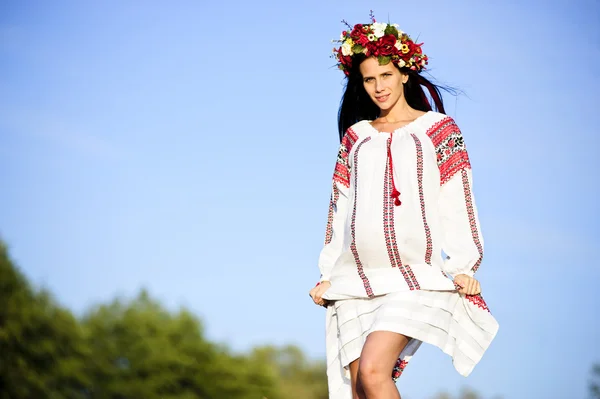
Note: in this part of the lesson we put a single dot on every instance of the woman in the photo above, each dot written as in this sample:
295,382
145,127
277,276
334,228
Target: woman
403,239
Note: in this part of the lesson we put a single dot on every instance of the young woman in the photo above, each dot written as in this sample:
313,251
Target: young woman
403,239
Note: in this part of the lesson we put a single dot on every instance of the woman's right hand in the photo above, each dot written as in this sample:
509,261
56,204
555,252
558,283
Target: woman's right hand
317,293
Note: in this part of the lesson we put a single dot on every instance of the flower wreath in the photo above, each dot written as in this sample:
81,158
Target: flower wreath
384,41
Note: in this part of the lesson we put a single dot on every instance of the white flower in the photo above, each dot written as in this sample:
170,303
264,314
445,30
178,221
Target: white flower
378,29
371,37
401,63
346,49
398,45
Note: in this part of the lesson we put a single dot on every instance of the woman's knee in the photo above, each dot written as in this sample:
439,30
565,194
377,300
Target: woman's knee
371,372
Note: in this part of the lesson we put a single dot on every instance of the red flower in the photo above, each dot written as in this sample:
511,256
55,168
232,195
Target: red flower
451,143
372,49
346,60
388,40
356,32
386,45
362,40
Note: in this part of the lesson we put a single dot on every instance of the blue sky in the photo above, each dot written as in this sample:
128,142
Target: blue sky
188,149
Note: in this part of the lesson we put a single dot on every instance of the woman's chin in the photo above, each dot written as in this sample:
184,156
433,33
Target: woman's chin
384,105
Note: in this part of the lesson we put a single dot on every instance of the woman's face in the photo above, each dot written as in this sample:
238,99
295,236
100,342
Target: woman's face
383,83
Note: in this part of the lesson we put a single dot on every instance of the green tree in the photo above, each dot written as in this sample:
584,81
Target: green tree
42,347
465,393
139,350
595,382
298,378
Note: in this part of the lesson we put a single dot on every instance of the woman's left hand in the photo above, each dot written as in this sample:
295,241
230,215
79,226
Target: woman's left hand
469,286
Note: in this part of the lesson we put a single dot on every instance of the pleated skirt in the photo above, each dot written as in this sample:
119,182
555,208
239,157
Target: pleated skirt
461,326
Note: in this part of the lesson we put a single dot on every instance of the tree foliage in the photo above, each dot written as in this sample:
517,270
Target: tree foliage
595,382
130,350
42,346
142,351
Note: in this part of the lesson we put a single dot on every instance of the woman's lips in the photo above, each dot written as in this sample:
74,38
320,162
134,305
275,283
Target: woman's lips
382,98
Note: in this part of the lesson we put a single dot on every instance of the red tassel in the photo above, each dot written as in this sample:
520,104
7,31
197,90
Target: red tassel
395,192
395,195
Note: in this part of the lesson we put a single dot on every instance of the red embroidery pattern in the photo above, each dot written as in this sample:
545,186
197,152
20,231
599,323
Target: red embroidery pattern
359,266
335,195
478,301
389,230
398,369
429,247
450,148
472,219
341,173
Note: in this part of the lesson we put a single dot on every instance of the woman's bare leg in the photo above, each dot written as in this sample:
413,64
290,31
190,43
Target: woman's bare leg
357,391
377,360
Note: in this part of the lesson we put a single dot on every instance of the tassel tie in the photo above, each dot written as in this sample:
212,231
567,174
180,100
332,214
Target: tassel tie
395,193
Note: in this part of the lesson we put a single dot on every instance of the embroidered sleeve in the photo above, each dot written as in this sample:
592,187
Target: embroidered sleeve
462,239
450,148
336,215
342,166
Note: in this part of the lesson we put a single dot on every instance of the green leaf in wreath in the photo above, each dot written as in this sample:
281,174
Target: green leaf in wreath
357,48
391,30
384,59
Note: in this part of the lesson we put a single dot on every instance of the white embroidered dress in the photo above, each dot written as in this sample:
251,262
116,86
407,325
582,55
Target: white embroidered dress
402,221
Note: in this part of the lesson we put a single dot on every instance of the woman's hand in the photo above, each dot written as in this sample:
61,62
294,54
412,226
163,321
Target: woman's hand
317,293
468,285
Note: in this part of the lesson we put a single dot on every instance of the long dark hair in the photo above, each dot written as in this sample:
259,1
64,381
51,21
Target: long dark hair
356,105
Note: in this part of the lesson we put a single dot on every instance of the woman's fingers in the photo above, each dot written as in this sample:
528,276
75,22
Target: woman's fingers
316,293
318,297
468,285
472,286
313,295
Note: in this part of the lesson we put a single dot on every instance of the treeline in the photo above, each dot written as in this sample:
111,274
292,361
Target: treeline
132,350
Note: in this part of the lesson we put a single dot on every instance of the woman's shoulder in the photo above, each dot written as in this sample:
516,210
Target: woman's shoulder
359,129
436,123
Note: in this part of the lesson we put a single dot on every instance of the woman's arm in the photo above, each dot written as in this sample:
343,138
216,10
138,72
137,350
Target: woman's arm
462,239
338,206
